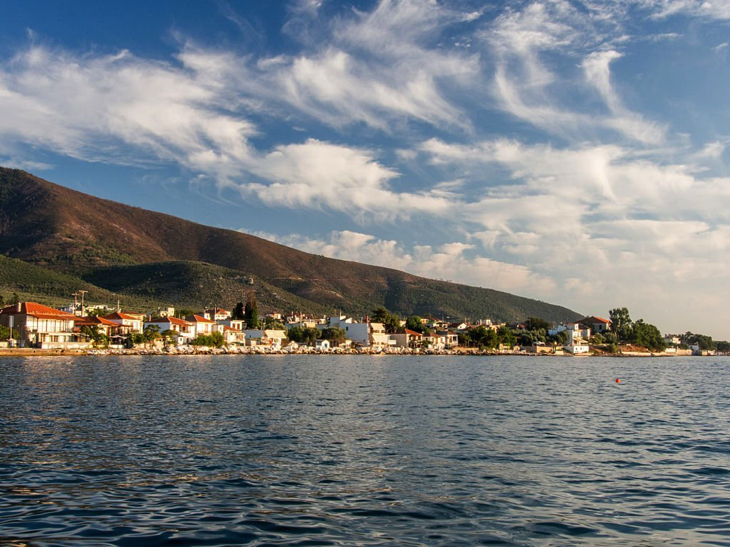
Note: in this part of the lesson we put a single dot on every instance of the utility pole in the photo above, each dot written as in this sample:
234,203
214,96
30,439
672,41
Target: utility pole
76,302
82,293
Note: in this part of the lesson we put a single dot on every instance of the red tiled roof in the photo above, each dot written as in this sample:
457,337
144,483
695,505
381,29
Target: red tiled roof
198,319
599,320
37,310
413,333
231,329
171,320
120,315
92,320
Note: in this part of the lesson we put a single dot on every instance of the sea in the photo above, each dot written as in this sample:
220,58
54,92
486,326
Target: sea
364,450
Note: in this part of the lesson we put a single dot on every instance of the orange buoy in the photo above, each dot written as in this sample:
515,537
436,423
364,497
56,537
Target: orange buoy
618,380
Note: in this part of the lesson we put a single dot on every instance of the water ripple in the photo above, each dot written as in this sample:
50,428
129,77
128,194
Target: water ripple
359,451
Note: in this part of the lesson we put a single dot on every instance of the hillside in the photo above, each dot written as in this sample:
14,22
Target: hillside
67,231
56,289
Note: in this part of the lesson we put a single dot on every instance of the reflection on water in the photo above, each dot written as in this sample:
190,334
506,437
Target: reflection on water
350,450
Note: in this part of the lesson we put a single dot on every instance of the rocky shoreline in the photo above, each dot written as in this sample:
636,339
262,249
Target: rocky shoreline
259,350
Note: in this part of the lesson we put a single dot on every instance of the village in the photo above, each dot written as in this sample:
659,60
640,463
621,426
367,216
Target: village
98,329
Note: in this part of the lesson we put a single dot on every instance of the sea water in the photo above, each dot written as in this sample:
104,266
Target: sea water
361,450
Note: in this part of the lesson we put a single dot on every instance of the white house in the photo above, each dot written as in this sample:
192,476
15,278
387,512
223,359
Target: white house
40,326
233,337
575,331
216,314
201,325
185,331
577,348
273,338
322,344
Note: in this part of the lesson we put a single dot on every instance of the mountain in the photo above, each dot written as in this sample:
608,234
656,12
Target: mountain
129,250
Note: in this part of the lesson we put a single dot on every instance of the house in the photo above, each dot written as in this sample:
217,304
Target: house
129,322
323,345
233,336
40,326
104,326
435,340
216,314
452,339
459,326
236,324
358,333
272,338
576,331
407,339
184,330
378,337
201,325
598,325
577,348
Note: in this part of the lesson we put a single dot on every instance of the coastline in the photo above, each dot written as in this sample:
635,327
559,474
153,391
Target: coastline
182,352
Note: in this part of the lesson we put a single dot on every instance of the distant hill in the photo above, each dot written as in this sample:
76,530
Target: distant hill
107,243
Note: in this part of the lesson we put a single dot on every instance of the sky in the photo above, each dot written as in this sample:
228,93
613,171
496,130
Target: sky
570,151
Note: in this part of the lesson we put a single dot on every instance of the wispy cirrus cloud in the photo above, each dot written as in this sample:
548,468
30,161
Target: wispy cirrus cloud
527,85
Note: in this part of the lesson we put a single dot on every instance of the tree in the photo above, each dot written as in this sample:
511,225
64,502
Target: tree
168,335
414,323
15,298
95,335
2,301
483,337
271,323
212,340
303,335
182,313
334,335
647,336
621,324
390,321
702,341
251,312
151,333
536,323
4,333
560,338
506,337
238,312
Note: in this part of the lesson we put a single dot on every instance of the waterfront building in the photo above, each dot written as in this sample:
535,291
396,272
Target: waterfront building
40,326
129,322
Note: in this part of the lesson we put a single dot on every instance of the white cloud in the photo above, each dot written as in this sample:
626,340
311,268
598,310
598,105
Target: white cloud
709,9
450,262
527,87
317,174
87,107
621,219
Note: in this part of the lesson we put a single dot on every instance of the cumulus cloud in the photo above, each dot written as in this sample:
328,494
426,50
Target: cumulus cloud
317,174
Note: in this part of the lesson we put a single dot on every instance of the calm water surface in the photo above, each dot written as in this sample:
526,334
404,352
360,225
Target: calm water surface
309,450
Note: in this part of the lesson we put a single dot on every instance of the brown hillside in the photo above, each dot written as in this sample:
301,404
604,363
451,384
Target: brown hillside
66,230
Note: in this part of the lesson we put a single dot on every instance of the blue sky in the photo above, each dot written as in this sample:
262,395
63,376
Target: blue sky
571,151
